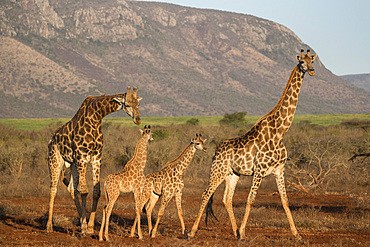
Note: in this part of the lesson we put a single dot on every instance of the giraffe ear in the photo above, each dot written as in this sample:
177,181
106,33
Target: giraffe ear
298,58
313,57
204,140
141,131
139,98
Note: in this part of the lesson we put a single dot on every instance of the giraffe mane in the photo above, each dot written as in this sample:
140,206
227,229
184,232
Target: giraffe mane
175,160
282,97
135,154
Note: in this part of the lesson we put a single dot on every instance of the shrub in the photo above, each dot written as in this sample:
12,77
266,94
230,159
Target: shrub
236,119
193,121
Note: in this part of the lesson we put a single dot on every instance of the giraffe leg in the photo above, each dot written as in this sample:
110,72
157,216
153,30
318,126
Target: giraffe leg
108,211
72,189
96,195
81,186
179,212
257,178
164,202
214,181
152,201
137,218
55,167
231,181
102,224
279,176
145,196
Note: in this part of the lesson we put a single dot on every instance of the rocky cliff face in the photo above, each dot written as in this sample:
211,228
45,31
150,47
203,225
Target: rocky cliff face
185,61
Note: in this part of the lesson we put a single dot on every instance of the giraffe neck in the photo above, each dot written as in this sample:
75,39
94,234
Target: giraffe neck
182,162
104,105
281,117
95,108
139,159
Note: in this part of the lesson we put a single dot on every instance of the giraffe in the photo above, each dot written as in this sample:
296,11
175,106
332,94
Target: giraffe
131,178
79,142
257,153
166,183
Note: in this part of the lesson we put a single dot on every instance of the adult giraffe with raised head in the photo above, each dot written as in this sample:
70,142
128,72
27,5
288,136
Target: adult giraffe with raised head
79,142
258,153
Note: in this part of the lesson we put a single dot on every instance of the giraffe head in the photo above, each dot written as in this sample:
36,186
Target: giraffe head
305,62
147,132
130,104
199,143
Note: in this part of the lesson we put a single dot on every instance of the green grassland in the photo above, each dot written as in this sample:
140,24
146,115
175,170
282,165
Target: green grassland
41,123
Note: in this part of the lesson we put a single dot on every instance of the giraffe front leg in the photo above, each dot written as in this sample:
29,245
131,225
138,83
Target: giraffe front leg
179,212
231,181
279,176
96,195
81,186
257,178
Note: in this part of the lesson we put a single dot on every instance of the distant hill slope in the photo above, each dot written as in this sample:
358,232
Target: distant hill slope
360,80
184,61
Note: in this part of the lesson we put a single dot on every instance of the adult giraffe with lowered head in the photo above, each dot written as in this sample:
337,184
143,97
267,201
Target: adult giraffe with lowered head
79,142
258,153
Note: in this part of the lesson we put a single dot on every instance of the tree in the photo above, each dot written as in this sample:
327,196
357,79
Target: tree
236,119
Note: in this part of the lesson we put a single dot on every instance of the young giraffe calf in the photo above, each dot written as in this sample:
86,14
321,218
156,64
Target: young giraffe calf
131,178
166,183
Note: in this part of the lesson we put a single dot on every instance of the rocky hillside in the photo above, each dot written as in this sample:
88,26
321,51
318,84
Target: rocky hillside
184,61
359,80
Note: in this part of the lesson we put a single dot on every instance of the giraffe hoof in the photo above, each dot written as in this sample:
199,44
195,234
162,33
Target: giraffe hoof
90,232
299,239
237,234
186,235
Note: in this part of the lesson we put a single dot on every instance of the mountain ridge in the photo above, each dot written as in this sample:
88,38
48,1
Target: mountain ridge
184,61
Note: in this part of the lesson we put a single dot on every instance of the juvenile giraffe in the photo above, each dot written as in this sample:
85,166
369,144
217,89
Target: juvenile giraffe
258,153
166,183
79,142
131,178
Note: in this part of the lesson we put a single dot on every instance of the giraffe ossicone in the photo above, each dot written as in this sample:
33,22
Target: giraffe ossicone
80,142
257,153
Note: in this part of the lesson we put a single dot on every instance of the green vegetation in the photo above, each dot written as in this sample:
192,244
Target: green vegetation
237,119
319,155
322,120
193,121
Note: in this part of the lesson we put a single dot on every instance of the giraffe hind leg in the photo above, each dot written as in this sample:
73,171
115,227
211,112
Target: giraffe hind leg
209,210
231,182
214,181
279,176
55,163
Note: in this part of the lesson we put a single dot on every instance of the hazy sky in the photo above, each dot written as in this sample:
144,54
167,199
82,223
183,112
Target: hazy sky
337,30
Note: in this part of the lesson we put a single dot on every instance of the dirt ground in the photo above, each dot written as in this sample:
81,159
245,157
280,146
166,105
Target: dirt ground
23,220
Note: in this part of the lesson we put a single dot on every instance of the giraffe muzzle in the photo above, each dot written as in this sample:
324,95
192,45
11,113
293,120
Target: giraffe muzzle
311,72
137,120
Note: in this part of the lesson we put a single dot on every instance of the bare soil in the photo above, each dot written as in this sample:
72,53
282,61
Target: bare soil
23,220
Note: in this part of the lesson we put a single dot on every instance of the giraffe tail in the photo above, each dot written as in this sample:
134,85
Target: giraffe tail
209,209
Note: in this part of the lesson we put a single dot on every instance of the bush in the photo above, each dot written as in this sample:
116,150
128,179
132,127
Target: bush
193,121
311,149
236,119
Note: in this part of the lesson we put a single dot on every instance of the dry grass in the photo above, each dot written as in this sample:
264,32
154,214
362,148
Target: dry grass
334,144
